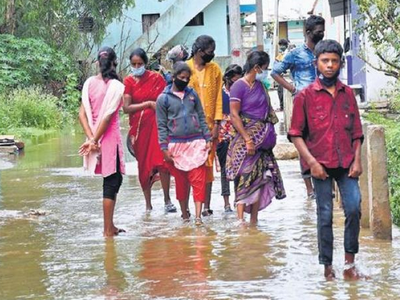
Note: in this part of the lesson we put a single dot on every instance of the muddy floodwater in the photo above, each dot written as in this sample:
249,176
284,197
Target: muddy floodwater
62,255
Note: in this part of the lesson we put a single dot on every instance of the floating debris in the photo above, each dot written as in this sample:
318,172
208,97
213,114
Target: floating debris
36,213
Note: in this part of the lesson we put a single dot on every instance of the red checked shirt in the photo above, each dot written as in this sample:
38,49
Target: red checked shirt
328,124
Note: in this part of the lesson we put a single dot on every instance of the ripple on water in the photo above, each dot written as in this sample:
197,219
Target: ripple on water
64,256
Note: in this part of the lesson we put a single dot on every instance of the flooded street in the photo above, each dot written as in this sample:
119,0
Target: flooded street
63,255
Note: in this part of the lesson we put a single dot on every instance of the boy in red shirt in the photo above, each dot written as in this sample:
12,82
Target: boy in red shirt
326,130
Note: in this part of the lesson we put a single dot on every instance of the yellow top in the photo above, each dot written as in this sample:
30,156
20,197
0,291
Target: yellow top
280,56
208,85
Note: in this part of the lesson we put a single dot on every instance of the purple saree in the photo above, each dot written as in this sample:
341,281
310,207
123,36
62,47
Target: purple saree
257,177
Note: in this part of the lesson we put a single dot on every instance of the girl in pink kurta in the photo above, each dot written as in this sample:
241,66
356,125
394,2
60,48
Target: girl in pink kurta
102,151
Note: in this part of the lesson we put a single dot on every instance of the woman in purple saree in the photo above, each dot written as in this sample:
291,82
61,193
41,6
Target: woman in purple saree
251,163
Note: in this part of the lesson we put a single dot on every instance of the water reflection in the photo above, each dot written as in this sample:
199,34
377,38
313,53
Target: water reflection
115,278
64,256
21,272
245,256
177,266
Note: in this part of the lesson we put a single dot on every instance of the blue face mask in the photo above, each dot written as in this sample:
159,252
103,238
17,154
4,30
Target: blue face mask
138,71
262,76
328,82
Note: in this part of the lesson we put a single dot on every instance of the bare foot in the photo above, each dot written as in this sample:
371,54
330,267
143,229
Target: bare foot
351,273
185,215
118,230
253,222
108,234
329,273
240,223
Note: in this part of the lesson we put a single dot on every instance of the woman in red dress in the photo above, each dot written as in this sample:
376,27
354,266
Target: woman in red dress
142,88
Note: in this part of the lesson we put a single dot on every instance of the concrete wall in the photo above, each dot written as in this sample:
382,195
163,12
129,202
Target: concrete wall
296,32
215,25
124,32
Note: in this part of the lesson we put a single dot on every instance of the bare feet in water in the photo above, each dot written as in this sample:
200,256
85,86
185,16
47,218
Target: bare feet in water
114,232
329,273
351,273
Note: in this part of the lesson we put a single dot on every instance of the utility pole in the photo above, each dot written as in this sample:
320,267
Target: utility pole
235,32
275,39
259,25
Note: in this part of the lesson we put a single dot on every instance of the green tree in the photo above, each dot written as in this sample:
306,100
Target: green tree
69,25
380,19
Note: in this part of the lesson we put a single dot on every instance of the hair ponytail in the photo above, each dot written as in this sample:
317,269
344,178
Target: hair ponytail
107,62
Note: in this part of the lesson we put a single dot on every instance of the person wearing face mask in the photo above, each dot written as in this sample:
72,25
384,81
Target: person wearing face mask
300,62
142,87
263,78
326,130
250,163
177,53
184,138
207,82
283,45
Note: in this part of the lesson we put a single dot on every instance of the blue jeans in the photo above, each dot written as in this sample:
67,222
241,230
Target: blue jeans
351,199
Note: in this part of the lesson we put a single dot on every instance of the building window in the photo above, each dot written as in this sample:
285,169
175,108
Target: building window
148,20
197,20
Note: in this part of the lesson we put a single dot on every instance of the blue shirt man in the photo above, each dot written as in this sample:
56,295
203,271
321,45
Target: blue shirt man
300,62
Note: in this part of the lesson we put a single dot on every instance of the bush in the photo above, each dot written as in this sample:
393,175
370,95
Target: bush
70,100
31,62
30,107
392,136
392,94
26,62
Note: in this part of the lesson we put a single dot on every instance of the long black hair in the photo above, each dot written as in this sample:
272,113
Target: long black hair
258,58
203,42
107,62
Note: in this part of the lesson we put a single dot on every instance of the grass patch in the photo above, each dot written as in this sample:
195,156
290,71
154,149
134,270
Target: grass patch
26,112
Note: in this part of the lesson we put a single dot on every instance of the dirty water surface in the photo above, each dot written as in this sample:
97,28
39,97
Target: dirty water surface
62,254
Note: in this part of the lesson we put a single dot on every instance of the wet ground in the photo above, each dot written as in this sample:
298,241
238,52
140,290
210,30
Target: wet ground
63,255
